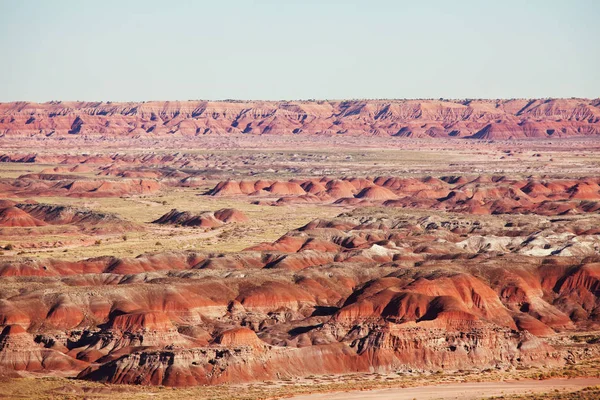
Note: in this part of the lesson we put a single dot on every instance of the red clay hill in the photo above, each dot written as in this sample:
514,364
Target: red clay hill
480,194
478,119
32,214
205,219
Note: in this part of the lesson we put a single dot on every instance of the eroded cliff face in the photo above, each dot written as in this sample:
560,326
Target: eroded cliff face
479,119
386,351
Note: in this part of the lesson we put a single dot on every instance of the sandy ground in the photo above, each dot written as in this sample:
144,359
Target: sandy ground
463,391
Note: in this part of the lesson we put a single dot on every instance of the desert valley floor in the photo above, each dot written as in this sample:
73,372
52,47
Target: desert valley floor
241,266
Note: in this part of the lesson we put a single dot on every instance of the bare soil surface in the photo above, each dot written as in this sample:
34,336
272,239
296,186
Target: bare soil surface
462,391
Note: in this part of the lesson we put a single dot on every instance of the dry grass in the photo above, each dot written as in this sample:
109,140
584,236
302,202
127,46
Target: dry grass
589,393
267,223
65,388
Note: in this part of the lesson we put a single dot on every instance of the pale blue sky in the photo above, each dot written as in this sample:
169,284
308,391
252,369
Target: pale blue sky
179,50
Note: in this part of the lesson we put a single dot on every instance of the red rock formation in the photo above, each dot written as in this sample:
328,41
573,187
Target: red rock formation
15,217
19,352
184,218
205,219
285,188
226,188
230,215
480,196
142,320
376,193
34,185
357,293
239,337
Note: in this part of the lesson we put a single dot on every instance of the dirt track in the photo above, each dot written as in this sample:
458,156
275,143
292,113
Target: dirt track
463,391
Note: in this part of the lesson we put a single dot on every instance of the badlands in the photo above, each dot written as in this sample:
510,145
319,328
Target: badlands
239,250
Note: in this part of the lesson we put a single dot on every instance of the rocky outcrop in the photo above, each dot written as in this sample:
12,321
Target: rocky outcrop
19,352
205,219
28,215
389,349
15,217
35,185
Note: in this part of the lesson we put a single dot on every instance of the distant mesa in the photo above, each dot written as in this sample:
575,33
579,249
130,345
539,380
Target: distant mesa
459,119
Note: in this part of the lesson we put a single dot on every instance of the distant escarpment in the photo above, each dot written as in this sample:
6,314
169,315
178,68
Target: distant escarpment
476,119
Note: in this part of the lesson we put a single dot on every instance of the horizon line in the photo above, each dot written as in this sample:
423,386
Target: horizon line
232,100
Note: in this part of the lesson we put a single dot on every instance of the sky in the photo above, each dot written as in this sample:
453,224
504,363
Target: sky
134,50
